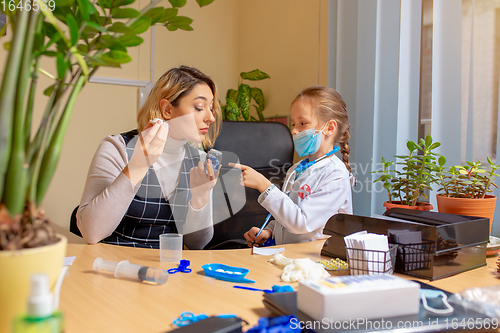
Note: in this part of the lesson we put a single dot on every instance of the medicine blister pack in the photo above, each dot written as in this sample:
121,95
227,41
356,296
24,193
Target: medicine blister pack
215,158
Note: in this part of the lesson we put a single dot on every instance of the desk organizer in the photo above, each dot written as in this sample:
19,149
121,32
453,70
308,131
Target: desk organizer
449,244
411,257
371,261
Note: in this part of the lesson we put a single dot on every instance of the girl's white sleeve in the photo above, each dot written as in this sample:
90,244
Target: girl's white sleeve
312,212
108,191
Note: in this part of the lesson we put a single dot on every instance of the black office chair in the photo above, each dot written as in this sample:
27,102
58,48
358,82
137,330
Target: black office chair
268,148
72,223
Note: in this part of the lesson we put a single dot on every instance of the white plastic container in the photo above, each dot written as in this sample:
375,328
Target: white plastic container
358,296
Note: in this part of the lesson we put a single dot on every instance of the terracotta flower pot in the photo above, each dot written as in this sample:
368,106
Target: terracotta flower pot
468,206
397,204
16,269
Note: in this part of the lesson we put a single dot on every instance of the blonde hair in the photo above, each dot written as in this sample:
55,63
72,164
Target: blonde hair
173,85
327,104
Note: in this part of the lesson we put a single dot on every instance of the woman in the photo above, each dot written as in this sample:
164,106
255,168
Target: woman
150,181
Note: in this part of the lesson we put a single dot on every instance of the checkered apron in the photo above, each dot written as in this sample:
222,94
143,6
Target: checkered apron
149,214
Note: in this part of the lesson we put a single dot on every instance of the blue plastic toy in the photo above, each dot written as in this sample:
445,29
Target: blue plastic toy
183,267
227,273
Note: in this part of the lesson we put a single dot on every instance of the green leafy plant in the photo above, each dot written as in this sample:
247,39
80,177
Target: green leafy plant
470,181
79,36
417,173
237,105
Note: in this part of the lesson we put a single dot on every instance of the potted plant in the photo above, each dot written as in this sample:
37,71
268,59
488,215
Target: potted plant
79,36
417,173
237,105
464,189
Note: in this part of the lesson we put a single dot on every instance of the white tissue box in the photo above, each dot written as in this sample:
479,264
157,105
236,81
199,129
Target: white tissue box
358,296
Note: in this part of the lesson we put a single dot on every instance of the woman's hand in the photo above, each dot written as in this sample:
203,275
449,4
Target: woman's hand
147,150
201,183
251,178
251,238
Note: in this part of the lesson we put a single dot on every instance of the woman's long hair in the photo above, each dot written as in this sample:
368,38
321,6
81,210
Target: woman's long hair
173,85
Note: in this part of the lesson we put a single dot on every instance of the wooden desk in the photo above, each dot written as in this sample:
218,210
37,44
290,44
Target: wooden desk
97,302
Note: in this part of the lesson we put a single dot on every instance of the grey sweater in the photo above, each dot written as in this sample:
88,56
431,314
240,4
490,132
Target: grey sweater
108,192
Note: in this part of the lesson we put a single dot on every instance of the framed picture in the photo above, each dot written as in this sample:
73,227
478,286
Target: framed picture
280,119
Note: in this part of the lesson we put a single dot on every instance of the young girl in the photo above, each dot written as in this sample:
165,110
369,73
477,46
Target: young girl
144,183
315,188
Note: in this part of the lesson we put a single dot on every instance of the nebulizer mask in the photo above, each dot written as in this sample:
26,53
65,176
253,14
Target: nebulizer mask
307,142
430,294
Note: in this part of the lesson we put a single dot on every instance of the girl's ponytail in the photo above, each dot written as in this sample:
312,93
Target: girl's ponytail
344,148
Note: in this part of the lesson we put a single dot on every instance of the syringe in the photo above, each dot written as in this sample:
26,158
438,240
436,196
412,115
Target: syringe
126,269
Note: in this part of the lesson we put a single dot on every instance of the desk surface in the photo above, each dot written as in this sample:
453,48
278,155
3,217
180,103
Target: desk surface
97,302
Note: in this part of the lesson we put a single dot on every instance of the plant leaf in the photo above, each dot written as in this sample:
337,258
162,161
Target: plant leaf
61,66
116,57
261,115
232,110
104,3
107,41
232,94
434,145
258,96
125,13
203,3
119,3
121,28
180,22
48,91
73,28
141,25
177,3
96,26
411,145
428,140
255,75
168,14
130,40
243,100
155,14
86,8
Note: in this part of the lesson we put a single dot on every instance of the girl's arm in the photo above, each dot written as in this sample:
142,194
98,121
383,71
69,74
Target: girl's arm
312,212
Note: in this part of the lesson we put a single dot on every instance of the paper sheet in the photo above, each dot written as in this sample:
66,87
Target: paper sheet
267,251
68,261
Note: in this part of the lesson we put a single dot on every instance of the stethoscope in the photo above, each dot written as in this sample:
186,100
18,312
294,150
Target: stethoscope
303,166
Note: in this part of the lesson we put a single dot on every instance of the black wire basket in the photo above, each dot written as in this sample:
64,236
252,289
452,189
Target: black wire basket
363,261
412,257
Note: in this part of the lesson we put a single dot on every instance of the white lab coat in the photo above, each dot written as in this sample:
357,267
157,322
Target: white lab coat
322,191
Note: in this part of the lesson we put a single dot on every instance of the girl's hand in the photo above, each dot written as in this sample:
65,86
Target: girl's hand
261,239
251,178
201,184
147,150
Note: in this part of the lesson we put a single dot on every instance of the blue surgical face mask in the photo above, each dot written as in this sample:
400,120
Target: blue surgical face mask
307,142
426,294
